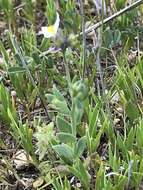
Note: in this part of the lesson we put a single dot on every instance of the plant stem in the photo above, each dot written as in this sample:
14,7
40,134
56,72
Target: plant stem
72,118
67,72
70,91
99,66
84,39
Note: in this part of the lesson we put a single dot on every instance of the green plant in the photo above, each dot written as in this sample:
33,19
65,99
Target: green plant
77,104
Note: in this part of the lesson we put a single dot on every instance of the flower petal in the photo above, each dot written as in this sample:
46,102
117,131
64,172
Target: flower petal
51,31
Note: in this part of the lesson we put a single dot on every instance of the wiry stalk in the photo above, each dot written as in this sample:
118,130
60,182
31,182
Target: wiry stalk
84,38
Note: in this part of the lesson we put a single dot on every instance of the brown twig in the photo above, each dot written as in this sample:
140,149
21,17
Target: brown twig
106,20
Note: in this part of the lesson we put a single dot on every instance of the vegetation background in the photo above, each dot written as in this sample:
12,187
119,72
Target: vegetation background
71,105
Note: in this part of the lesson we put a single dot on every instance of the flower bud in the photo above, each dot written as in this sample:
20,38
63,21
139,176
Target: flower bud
80,90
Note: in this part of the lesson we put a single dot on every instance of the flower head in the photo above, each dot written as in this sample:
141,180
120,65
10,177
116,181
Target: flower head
51,31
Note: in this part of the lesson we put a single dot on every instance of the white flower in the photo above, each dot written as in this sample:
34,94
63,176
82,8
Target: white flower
51,31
